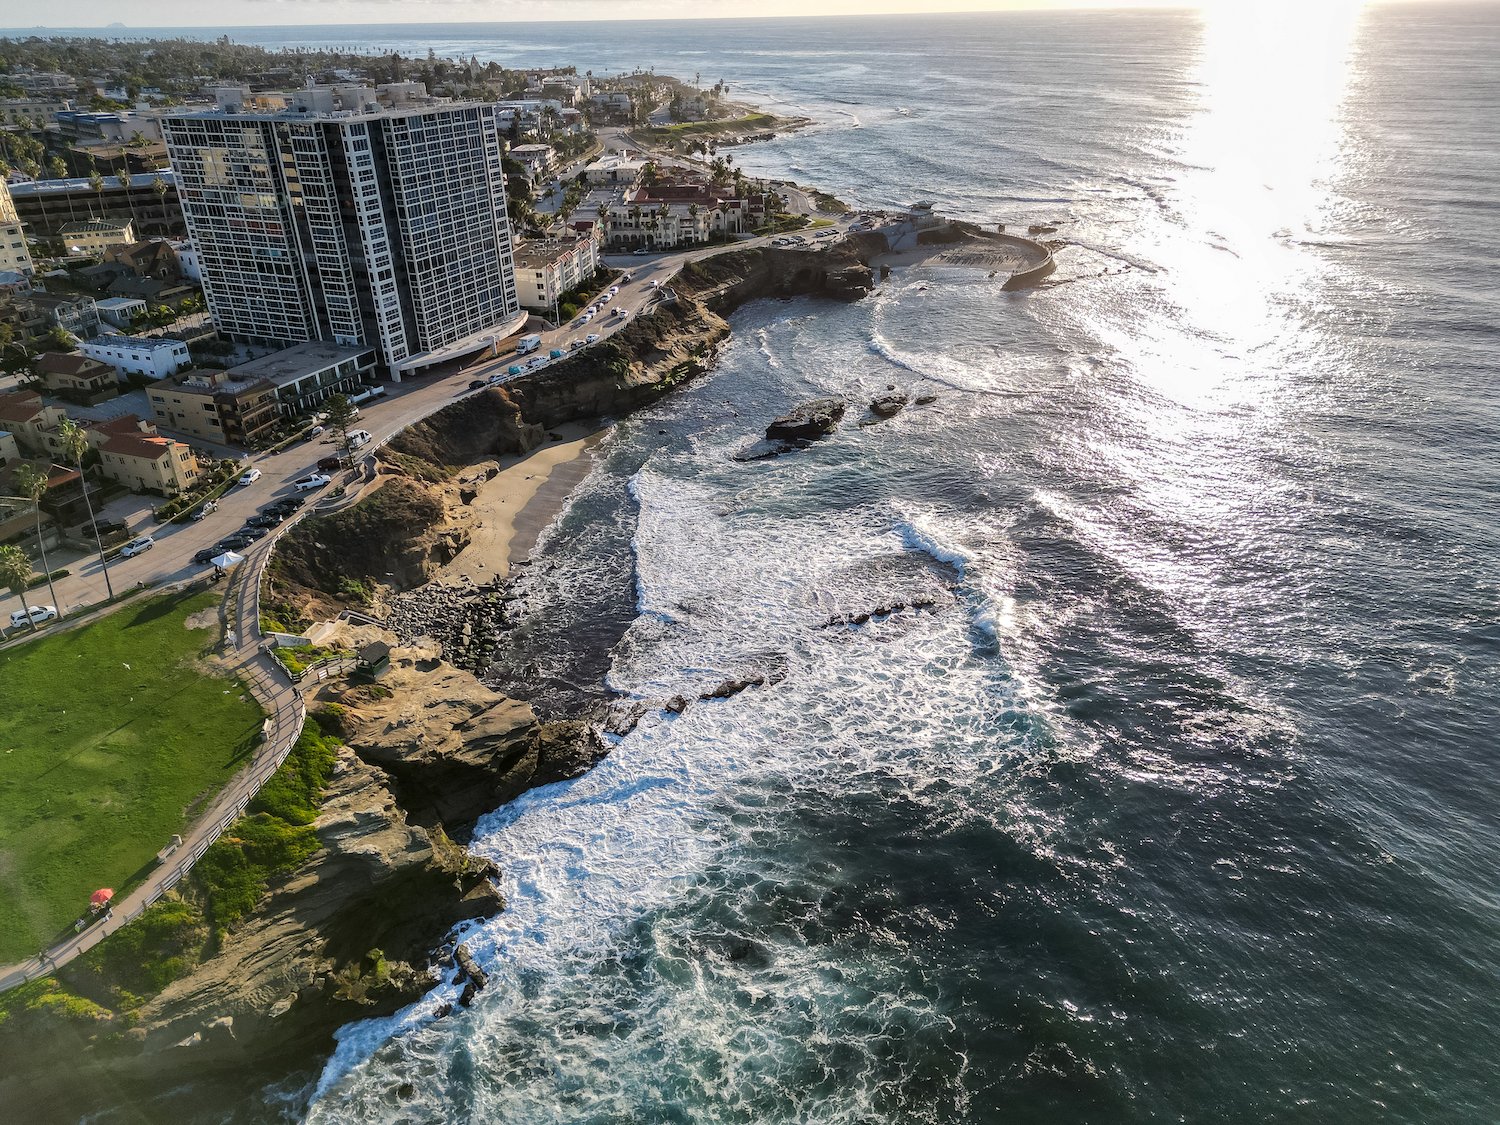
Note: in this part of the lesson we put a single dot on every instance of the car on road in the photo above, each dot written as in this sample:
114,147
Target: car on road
653,284
266,519
514,369
358,438
250,476
250,534
207,555
205,510
332,462
591,338
34,616
614,290
623,277
586,317
137,547
312,481
641,253
478,384
605,298
575,344
493,379
556,353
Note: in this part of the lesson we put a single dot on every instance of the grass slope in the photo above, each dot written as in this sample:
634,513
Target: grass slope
112,737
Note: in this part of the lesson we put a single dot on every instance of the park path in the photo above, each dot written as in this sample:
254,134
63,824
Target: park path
243,658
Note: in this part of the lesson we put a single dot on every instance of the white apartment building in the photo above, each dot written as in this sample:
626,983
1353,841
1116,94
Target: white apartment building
139,355
548,268
15,256
538,160
366,217
187,259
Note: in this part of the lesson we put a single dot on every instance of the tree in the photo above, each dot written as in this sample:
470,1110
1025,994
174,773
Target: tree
339,414
15,573
75,444
57,168
31,482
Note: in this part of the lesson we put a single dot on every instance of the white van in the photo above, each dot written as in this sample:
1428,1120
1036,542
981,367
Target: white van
358,438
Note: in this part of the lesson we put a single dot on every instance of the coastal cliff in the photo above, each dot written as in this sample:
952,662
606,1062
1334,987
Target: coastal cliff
352,931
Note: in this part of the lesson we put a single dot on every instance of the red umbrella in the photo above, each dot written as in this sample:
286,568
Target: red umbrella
101,896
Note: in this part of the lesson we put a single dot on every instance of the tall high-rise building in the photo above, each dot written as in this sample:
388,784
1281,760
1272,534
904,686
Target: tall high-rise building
15,256
367,217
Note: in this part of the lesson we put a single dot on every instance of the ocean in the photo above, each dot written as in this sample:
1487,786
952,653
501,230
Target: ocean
1177,801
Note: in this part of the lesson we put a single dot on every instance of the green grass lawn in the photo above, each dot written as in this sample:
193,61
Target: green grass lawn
112,737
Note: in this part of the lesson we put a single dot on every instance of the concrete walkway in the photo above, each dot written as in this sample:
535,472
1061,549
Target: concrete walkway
244,659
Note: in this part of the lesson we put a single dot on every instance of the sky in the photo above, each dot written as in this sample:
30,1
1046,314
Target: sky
242,13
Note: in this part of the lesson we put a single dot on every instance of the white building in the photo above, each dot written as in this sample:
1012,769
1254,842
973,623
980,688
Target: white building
139,355
15,256
121,312
307,375
538,160
368,217
548,268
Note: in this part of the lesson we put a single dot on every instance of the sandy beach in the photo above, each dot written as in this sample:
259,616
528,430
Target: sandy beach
514,507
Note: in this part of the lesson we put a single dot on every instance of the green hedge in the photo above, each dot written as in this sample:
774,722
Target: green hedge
42,579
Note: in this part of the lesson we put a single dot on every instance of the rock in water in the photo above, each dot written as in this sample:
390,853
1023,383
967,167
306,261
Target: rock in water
888,406
808,422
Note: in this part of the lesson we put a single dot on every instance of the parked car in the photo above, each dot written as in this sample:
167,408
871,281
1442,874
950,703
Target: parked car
205,510
287,504
332,463
35,615
250,476
206,556
575,344
591,338
556,353
476,384
605,298
236,542
315,480
137,547
266,519
314,432
358,438
640,253
493,379
250,534
514,369
614,290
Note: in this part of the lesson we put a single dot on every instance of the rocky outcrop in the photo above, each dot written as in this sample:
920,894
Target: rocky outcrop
454,748
889,405
349,935
808,422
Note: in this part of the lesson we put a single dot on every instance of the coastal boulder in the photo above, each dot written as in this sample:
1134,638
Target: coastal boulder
808,422
889,405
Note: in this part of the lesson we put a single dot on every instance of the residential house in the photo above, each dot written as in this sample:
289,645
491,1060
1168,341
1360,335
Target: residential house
618,106
32,423
216,406
153,356
73,312
615,169
538,160
76,377
134,454
9,450
152,257
121,312
93,236
548,268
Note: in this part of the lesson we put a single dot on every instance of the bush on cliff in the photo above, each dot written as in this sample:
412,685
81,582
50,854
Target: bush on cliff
273,839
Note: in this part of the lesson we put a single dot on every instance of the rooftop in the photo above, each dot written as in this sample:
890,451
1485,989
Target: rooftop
296,361
147,343
542,251
210,383
340,102
63,187
94,226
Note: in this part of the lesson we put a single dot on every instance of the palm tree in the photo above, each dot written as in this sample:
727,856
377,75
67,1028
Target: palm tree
96,181
75,444
31,482
15,573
